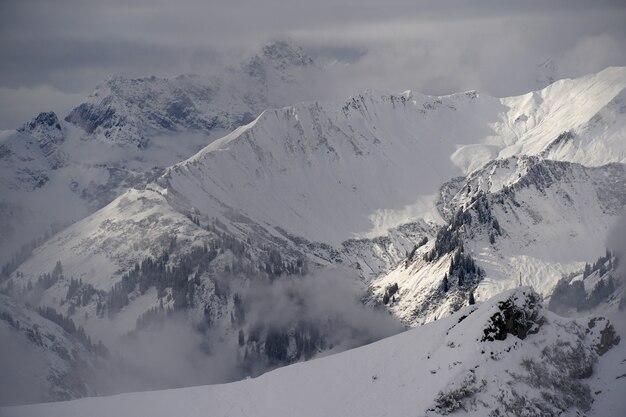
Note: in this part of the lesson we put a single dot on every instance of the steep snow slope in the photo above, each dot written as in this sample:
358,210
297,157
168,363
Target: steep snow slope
508,356
328,172
545,122
134,226
528,217
324,172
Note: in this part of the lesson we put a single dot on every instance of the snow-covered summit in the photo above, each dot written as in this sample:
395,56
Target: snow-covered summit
284,55
45,127
130,111
28,155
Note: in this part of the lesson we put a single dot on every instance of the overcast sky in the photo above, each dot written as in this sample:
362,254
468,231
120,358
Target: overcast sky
54,52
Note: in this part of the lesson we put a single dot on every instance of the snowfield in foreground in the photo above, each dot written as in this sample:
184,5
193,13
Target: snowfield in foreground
511,357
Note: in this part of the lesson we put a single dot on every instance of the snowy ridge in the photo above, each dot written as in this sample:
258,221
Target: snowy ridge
539,218
124,133
335,146
503,356
101,247
539,118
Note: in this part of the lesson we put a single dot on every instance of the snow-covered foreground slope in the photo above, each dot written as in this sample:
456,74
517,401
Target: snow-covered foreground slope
508,356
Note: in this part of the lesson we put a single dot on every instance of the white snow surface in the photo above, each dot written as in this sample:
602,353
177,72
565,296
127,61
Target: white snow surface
333,171
554,218
399,376
99,248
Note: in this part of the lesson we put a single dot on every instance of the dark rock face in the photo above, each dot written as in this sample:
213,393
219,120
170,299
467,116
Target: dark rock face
90,117
556,143
514,317
48,132
46,120
608,337
284,55
181,109
132,110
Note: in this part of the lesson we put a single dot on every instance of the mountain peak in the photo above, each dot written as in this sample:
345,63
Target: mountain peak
546,72
284,54
277,55
45,125
43,119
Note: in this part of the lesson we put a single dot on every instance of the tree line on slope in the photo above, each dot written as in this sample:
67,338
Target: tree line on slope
568,294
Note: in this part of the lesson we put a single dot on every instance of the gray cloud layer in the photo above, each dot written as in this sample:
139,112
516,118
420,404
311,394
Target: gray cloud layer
54,50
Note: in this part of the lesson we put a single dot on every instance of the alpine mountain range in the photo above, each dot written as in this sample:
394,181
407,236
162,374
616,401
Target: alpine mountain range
196,230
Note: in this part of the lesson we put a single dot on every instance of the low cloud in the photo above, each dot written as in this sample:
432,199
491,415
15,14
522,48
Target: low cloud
175,353
170,355
326,297
616,243
18,106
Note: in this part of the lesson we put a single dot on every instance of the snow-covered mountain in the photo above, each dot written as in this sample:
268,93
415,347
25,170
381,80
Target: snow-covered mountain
314,176
332,171
517,217
507,356
131,111
415,202
55,172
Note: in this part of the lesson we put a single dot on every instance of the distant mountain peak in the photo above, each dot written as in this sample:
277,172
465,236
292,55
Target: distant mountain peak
45,127
546,72
279,55
46,120
285,54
